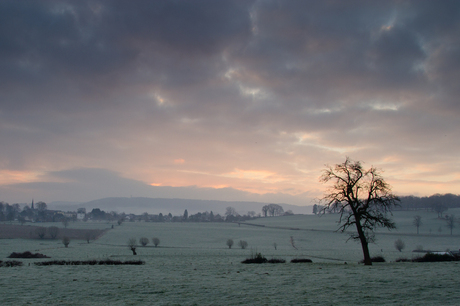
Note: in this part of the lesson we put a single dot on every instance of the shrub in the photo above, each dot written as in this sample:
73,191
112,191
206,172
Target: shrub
27,254
299,260
399,245
11,263
256,258
88,262
431,257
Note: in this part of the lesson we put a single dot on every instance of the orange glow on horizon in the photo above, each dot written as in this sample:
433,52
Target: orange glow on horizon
8,177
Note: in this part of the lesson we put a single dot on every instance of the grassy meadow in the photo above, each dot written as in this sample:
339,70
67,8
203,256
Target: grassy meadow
193,266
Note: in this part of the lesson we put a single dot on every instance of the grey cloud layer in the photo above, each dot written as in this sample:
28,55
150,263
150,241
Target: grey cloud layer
84,80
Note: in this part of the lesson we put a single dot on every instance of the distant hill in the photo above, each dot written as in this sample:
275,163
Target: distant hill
139,205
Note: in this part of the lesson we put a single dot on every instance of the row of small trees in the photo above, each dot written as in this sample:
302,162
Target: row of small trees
451,221
242,243
272,210
53,232
143,241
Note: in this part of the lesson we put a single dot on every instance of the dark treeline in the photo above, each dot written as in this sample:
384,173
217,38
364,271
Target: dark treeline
39,212
437,202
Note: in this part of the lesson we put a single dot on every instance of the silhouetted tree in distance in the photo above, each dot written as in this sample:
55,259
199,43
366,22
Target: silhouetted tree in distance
417,222
451,222
132,245
229,243
144,241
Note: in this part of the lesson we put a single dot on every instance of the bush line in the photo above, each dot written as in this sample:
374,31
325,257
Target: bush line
89,262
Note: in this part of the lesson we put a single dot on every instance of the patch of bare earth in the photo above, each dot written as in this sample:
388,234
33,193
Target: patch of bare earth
14,231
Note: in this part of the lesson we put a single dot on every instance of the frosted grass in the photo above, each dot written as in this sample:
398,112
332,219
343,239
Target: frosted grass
193,266
185,280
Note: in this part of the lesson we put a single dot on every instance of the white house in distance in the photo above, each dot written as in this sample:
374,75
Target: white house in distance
81,213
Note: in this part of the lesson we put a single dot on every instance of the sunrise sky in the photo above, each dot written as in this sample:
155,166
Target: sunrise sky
225,100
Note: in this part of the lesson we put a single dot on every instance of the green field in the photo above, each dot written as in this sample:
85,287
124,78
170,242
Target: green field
193,266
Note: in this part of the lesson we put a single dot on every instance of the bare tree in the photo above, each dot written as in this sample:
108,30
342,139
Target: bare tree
90,235
144,241
155,241
439,208
243,244
41,232
265,210
132,245
230,211
292,242
451,222
65,241
399,245
417,222
362,198
276,210
315,209
65,222
41,206
53,231
230,243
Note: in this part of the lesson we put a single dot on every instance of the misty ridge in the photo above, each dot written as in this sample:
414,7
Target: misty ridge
140,205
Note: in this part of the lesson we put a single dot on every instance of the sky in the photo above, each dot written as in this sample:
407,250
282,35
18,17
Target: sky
225,100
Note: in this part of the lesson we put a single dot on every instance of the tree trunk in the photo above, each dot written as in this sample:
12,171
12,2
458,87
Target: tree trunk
134,251
364,244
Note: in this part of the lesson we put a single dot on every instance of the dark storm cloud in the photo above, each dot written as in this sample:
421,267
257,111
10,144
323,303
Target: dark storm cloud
86,47
226,85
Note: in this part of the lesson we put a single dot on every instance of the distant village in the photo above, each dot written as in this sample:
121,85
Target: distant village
39,212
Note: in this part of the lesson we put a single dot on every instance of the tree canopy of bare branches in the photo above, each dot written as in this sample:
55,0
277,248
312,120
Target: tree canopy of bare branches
417,222
41,232
243,244
399,245
65,241
144,241
132,245
361,197
451,222
229,243
53,231
272,210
